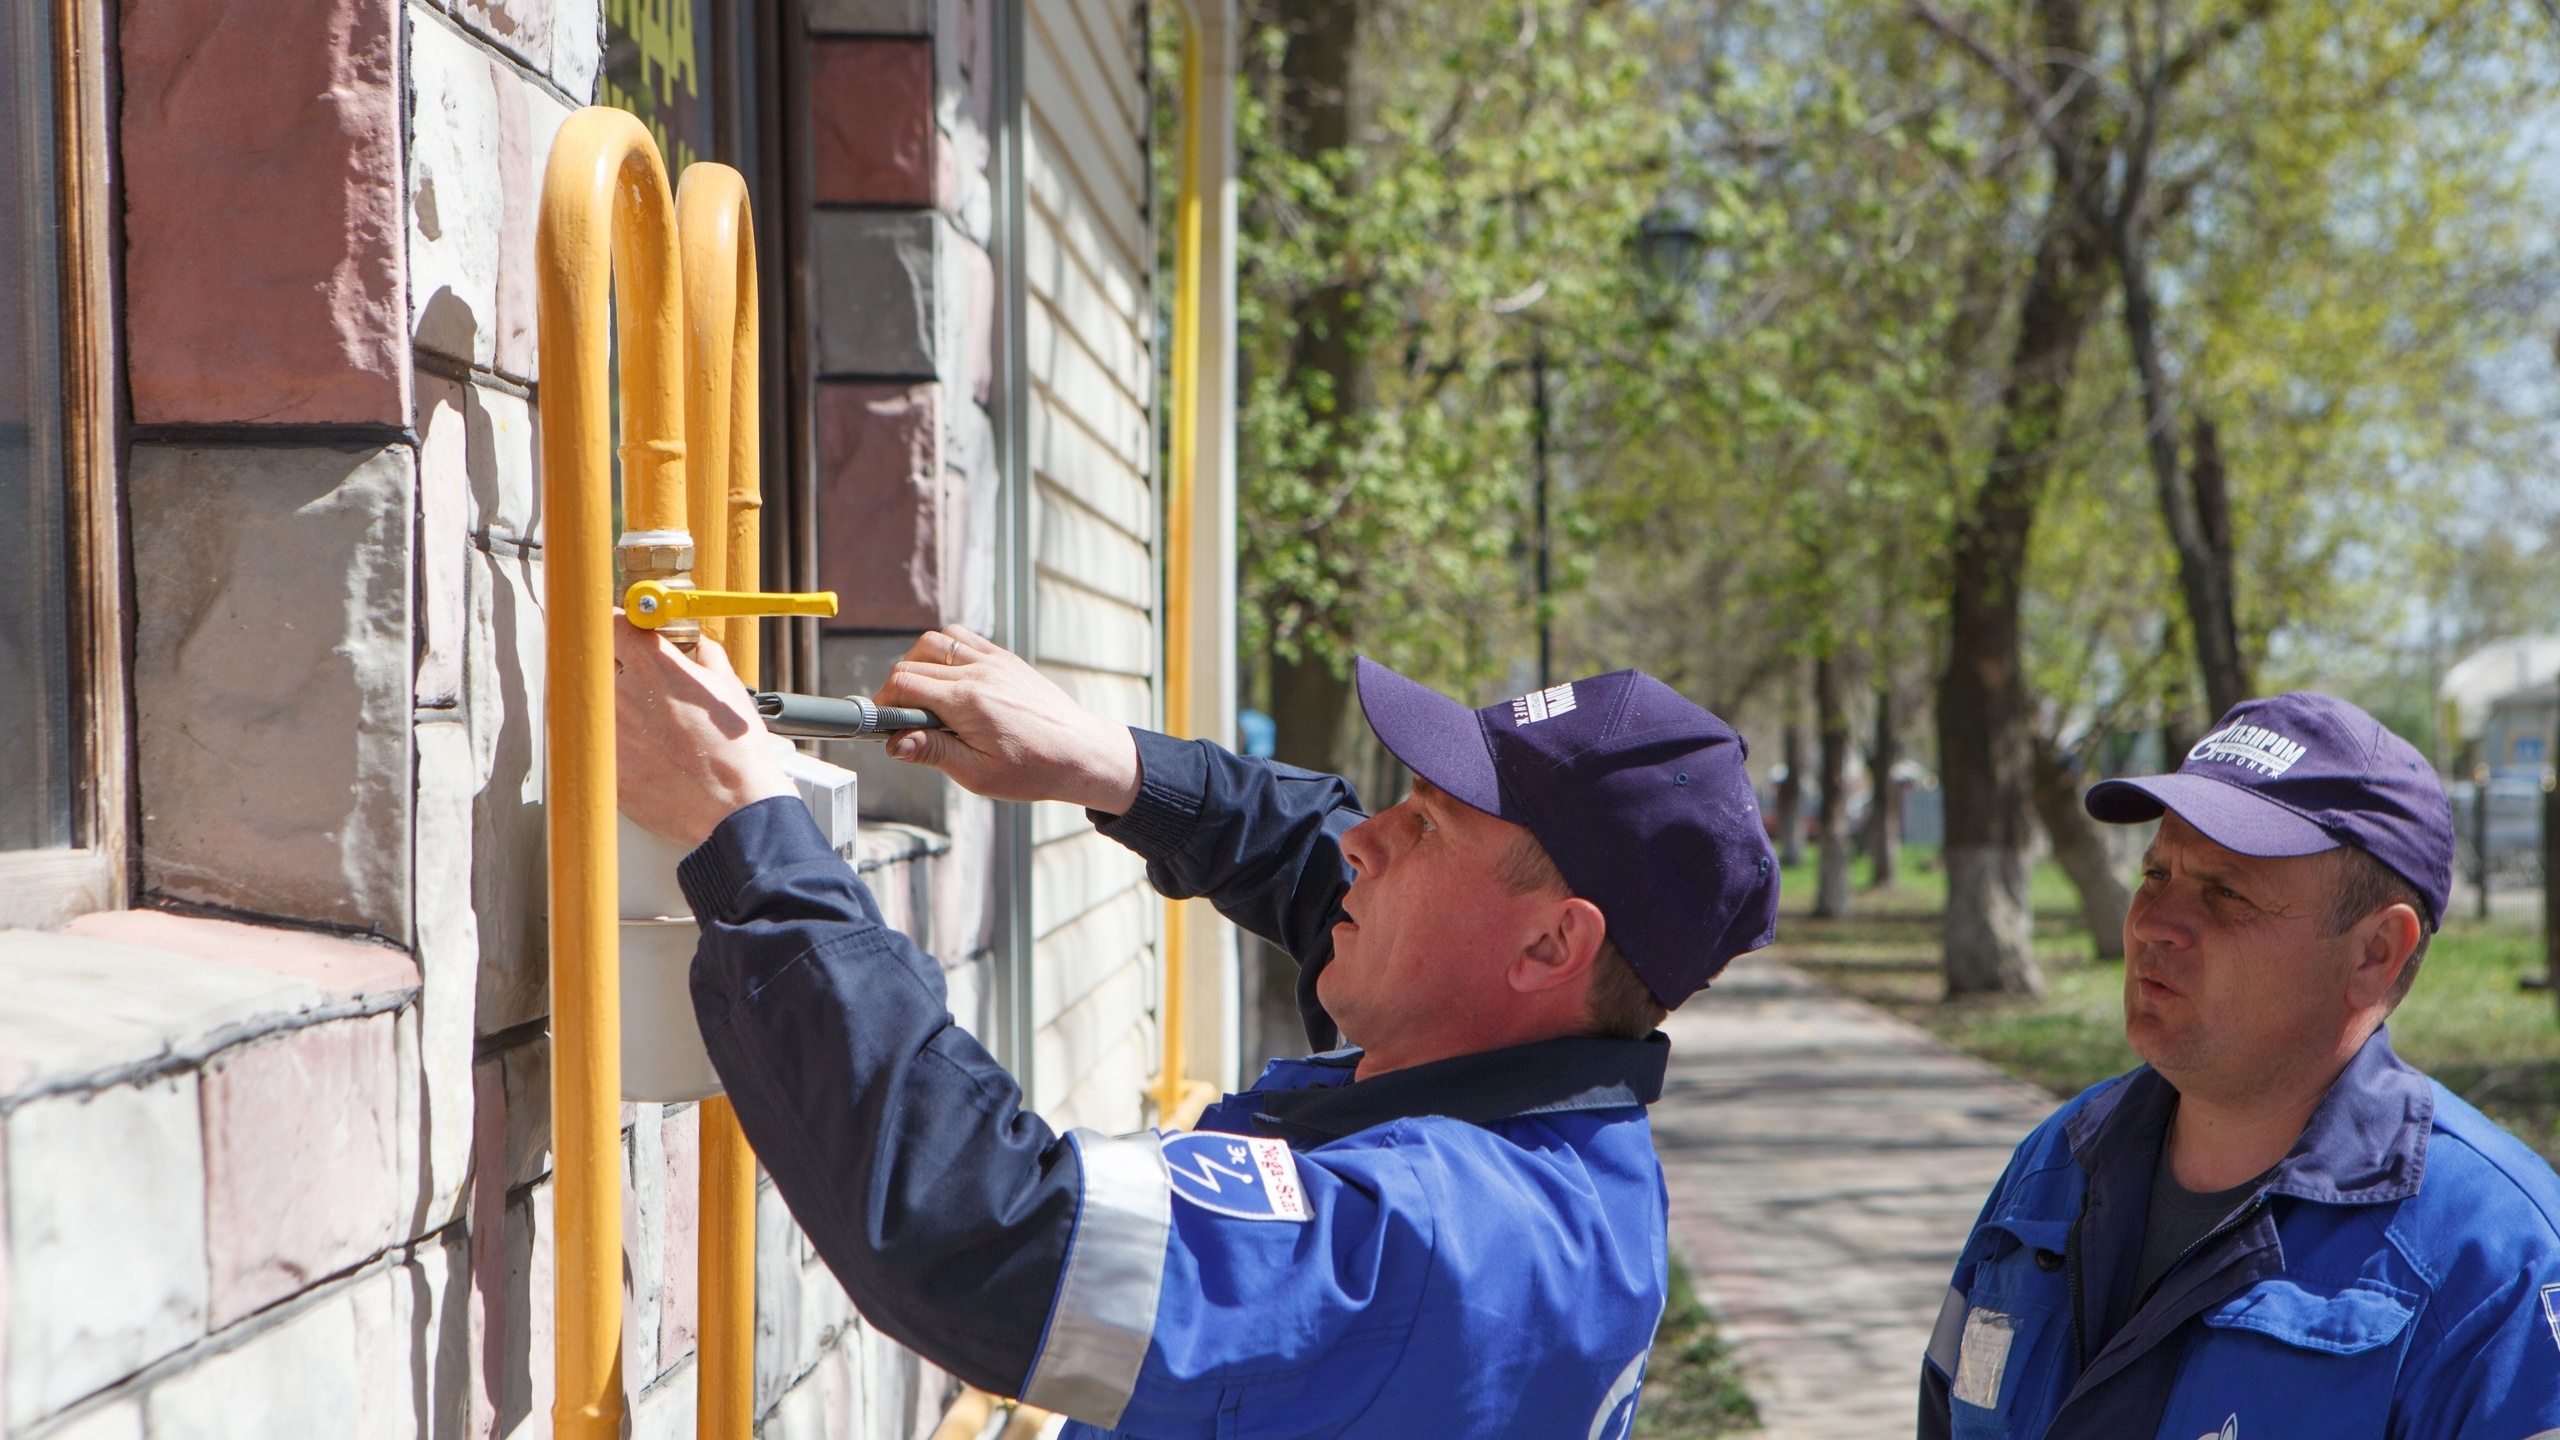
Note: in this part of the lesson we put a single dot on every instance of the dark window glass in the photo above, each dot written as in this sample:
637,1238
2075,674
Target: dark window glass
658,63
36,752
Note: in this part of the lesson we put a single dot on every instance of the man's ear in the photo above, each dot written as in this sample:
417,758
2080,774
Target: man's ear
2386,940
1564,950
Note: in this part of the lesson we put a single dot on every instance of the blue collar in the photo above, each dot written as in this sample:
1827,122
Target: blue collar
2366,1142
1315,1100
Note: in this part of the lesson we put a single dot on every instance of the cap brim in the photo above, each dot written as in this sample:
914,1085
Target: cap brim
1436,737
2238,820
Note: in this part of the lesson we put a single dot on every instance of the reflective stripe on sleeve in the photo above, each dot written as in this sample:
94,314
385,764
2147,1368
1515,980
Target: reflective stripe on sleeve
1106,1307
1947,1339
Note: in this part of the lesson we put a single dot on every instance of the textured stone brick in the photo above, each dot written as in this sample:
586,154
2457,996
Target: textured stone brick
825,1402
299,1377
967,347
800,1309
444,539
577,47
871,17
345,970
506,485
969,458
439,1074
263,264
871,121
412,1346
644,1241
522,28
891,789
525,1071
272,679
75,1009
503,691
455,192
880,277
487,1326
106,1239
523,1403
889,531
301,1160
665,1411
120,1421
528,118
679,1308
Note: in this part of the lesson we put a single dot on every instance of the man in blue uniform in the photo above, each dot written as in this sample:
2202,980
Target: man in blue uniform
2274,1228
1455,1230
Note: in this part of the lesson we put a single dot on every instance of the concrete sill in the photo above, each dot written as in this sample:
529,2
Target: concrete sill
125,995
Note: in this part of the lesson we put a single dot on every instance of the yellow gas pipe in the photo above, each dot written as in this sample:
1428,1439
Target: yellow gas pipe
718,232
1173,1092
608,246
607,235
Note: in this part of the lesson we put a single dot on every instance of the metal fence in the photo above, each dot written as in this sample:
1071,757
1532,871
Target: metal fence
2513,839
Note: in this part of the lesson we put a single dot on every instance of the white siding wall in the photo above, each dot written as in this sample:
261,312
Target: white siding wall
1089,330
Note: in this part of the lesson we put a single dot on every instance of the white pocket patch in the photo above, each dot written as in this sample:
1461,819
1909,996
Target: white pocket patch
1245,1176
1985,1357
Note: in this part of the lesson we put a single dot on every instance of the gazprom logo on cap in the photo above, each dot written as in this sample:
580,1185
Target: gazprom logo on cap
2254,746
1540,705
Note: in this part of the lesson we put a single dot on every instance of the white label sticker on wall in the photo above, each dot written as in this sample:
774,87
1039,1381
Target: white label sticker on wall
1985,1357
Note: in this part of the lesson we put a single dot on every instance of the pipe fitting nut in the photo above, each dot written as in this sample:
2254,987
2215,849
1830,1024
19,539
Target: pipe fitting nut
651,561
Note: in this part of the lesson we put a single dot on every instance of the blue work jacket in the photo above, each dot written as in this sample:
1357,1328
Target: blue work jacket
2398,1275
1469,1248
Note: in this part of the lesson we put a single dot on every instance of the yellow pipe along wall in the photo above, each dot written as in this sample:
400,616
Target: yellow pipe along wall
717,230
678,276
605,248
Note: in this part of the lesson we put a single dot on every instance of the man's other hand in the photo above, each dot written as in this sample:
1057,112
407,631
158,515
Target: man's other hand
1014,735
689,747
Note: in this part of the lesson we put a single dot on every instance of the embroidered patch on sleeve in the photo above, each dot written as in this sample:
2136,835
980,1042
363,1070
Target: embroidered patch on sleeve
1245,1176
2551,1310
1984,1359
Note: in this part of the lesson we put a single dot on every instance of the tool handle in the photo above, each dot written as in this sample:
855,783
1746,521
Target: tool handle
849,717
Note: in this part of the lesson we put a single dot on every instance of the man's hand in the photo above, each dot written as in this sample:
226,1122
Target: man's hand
1014,735
689,747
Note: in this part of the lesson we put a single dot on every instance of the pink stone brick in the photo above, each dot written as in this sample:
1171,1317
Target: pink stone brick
681,1304
347,969
888,518
301,1160
528,118
871,117
264,223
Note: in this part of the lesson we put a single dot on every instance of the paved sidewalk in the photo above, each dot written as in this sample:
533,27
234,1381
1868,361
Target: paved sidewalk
1825,1161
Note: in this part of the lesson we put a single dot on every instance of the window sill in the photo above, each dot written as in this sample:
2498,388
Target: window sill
124,995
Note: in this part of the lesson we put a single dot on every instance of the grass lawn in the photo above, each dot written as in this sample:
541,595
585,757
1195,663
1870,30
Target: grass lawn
1692,1388
2467,1022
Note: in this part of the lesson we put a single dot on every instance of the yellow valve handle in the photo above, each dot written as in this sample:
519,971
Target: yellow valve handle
650,604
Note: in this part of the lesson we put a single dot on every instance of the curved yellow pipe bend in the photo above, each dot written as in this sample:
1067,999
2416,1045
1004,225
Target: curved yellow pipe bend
717,228
605,246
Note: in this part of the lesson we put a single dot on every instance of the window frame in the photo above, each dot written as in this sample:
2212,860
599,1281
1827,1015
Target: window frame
45,888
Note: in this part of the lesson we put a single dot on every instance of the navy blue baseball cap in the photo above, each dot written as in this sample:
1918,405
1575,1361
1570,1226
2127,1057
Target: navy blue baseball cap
1639,797
2298,774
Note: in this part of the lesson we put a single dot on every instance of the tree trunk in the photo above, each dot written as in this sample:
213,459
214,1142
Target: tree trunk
1884,809
1327,370
1307,704
1791,798
1984,729
2080,849
2204,567
1831,820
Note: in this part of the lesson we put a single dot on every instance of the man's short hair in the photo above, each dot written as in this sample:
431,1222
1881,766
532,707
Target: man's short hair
1620,1007
2364,885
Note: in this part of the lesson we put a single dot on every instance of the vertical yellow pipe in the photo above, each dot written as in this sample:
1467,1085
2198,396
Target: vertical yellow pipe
718,232
1178,505
605,247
